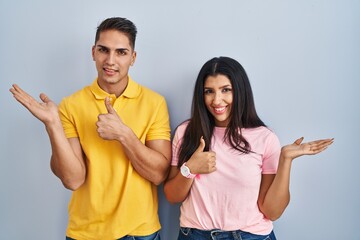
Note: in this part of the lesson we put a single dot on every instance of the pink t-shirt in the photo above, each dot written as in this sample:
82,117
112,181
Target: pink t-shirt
227,198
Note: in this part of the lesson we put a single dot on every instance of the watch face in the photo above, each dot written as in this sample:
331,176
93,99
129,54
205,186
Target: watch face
185,171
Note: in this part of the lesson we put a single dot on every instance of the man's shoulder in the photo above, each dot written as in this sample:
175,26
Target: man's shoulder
78,95
149,91
79,92
149,95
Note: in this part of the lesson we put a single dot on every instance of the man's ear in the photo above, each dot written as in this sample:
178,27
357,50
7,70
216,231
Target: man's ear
93,52
133,58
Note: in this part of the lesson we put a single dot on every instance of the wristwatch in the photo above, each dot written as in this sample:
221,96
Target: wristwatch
185,171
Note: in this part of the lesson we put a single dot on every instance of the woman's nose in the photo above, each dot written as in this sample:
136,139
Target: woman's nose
217,99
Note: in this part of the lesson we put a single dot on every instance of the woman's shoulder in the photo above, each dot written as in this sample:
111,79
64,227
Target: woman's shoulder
179,131
259,132
182,126
262,138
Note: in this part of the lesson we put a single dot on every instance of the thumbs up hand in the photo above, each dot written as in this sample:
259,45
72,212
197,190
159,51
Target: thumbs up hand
202,162
109,107
109,125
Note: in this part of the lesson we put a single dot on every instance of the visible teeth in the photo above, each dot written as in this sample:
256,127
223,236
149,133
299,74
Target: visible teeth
219,109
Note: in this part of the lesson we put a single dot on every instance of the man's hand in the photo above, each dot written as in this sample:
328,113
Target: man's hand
46,111
109,125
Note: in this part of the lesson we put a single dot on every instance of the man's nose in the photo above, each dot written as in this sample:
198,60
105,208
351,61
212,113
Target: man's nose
110,58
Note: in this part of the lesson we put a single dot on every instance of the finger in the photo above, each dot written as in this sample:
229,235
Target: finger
320,146
16,88
328,140
201,145
18,92
299,141
211,155
320,143
109,107
21,96
213,169
44,98
316,150
326,143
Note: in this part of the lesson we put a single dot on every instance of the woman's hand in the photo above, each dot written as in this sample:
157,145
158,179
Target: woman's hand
202,162
298,148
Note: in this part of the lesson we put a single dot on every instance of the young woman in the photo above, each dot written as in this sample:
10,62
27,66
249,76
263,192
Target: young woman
228,169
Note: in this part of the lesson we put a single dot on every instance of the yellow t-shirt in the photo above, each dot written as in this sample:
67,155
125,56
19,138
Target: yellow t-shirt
115,200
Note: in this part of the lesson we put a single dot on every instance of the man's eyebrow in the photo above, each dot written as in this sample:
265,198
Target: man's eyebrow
101,46
118,49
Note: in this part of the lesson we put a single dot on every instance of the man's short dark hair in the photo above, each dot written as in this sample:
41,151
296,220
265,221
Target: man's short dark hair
120,24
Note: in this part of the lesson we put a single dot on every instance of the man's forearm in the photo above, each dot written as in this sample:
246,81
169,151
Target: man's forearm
67,162
151,161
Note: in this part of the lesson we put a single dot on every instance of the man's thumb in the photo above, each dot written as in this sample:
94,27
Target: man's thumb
108,105
201,146
44,98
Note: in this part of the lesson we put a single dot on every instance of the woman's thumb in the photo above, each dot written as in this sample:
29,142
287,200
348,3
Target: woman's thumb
201,145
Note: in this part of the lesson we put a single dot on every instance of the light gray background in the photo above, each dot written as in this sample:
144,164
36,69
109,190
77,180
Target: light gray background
302,58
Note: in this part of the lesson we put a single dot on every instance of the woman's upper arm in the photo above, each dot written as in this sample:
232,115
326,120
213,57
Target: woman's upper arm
266,181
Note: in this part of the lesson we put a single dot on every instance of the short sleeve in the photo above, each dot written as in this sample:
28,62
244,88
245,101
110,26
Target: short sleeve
271,154
66,120
176,143
160,129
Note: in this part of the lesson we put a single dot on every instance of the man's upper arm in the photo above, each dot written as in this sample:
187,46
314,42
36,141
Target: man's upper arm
160,127
160,146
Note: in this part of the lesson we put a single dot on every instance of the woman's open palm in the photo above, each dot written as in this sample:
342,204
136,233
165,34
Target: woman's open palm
298,148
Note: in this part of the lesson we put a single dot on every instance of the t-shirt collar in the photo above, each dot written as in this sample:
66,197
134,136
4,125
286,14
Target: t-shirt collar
132,90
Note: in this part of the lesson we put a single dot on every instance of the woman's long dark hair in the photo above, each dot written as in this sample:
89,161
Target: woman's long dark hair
243,113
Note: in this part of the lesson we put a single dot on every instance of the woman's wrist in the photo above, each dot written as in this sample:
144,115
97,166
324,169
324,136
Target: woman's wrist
285,159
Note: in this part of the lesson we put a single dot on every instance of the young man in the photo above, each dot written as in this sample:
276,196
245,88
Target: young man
110,143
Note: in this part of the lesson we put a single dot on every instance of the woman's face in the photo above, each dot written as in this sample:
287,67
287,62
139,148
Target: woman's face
218,97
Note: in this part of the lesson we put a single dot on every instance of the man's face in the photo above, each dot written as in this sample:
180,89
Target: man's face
113,56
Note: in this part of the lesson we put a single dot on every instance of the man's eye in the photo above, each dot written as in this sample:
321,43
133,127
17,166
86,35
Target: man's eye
103,50
121,52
